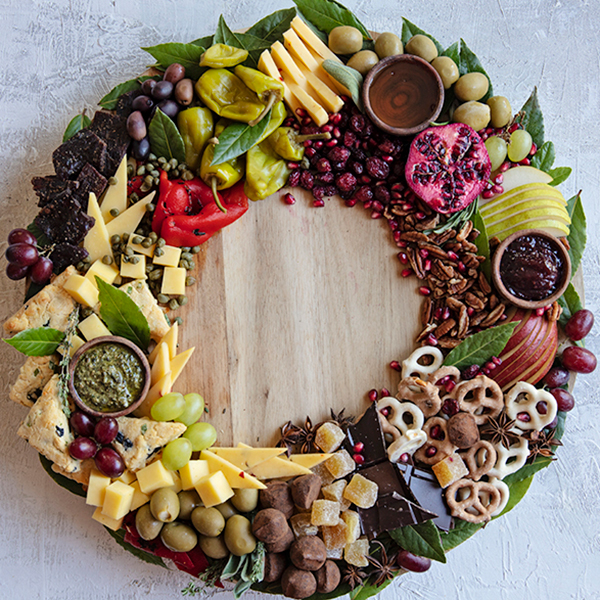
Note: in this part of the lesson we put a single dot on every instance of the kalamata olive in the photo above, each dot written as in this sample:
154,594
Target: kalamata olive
164,505
472,86
147,526
162,90
136,126
174,73
345,40
501,111
422,46
447,70
226,509
184,92
363,61
474,114
140,150
169,107
178,537
148,86
188,501
388,44
142,103
245,500
208,521
238,536
213,547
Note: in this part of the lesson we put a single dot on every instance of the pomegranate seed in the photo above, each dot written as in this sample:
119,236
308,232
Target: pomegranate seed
336,132
430,452
470,311
438,313
431,340
446,313
420,215
499,178
358,447
404,457
486,371
350,203
306,121
301,112
461,267
513,127
539,312
533,149
393,224
524,417
403,244
331,143
450,407
377,206
470,372
424,252
525,162
345,99
292,165
310,152
427,265
359,459
490,366
497,361
403,258
397,235
319,203
317,145
406,272
487,194
443,380
505,166
335,119
373,396
385,392
542,408
450,386
307,143
397,195
498,189
296,126
365,179
288,122
387,158
424,291
407,206
452,255
436,433
376,215
289,199
327,128
503,318
396,366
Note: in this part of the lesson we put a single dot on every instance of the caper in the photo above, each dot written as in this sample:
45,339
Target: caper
188,501
153,237
472,86
137,239
125,237
182,300
149,179
107,260
150,207
345,40
238,536
245,500
173,304
363,61
474,114
174,163
155,274
148,269
195,249
166,167
146,243
158,251
190,281
145,187
115,239
226,509
141,170
388,44
178,537
162,299
160,242
501,111
164,505
152,156
187,176
421,45
447,70
191,265
208,521
129,251
213,547
113,180
134,260
114,212
147,526
161,160
155,173
187,255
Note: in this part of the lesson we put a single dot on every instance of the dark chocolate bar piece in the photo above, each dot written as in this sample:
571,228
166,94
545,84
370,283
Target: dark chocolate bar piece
368,432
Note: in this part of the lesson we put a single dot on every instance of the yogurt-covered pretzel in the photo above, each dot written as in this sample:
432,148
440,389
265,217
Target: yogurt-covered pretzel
509,460
473,501
504,494
479,459
438,445
529,407
481,396
407,443
424,394
411,366
407,436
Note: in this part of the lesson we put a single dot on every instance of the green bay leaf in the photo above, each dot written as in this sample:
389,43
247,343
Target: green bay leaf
165,139
559,175
469,63
532,119
204,42
246,41
368,590
109,102
543,159
41,341
518,489
578,231
64,482
410,29
76,124
350,78
570,303
40,236
273,26
187,55
327,15
529,470
462,531
422,540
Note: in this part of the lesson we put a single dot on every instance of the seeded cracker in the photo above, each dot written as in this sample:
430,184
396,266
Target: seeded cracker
64,221
113,130
85,146
33,376
51,188
89,181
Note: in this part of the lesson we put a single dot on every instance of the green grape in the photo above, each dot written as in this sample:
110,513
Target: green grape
520,145
202,436
169,407
496,148
176,454
194,407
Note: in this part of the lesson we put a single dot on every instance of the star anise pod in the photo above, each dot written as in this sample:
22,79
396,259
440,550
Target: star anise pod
353,576
307,436
499,430
341,419
290,436
542,443
383,569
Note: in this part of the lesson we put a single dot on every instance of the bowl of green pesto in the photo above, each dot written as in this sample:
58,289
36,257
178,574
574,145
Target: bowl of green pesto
109,376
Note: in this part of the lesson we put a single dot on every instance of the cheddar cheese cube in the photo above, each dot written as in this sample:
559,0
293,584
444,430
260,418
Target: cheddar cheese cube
92,327
107,273
96,488
169,258
109,522
173,282
76,343
135,268
139,498
153,477
117,500
149,251
82,290
214,489
192,473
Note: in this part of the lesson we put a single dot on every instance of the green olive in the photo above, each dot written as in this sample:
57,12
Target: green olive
388,44
164,505
178,537
345,40
188,501
226,509
474,114
238,536
422,46
245,500
208,521
363,61
501,111
447,70
472,86
147,526
213,547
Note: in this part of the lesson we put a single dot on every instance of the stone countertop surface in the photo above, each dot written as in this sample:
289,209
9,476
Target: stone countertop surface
60,57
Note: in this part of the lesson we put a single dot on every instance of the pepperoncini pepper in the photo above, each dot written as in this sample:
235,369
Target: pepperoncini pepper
290,145
228,96
219,56
268,90
266,171
196,128
278,115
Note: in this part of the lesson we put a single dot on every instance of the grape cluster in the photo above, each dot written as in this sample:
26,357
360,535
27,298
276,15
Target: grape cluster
93,442
24,259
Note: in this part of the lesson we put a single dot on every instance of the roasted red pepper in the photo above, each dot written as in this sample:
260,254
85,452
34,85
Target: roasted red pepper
186,213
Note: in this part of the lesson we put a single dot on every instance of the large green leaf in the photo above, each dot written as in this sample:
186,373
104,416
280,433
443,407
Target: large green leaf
350,78
119,537
165,139
76,124
532,119
559,175
543,159
368,590
327,15
246,41
469,63
109,102
205,42
273,26
187,55
64,482
422,540
578,231
518,489
410,29
570,302
529,470
462,531
41,341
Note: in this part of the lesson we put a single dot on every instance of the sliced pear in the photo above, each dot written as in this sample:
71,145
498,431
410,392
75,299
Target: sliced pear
527,213
520,204
524,192
518,176
552,226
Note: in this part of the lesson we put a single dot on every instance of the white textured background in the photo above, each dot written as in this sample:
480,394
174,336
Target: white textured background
59,57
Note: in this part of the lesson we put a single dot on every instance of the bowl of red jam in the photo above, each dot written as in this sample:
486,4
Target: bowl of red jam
531,269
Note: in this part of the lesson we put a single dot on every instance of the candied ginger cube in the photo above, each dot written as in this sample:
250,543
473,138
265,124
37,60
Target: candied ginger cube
302,526
340,464
335,536
356,553
325,512
329,437
323,472
335,492
361,491
335,553
352,521
449,470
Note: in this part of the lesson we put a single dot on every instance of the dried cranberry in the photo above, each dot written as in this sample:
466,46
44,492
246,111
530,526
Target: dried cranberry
346,182
339,154
307,180
349,138
358,154
470,372
330,190
309,130
450,407
364,194
377,168
318,192
294,178
325,178
387,147
357,167
357,124
323,165
382,194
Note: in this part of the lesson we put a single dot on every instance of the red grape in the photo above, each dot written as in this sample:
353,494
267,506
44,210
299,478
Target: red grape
564,400
22,255
409,561
579,360
15,272
579,325
556,377
109,462
21,236
82,448
82,424
41,270
106,430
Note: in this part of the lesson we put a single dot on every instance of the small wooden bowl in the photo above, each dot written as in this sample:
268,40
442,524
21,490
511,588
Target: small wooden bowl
408,88
111,339
520,302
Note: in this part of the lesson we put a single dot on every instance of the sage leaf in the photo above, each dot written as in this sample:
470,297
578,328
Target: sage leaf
109,102
483,244
577,237
273,26
327,15
518,490
480,347
410,29
119,537
422,540
462,531
238,138
543,159
368,590
187,55
469,63
64,482
165,139
41,341
350,78
570,303
76,124
122,315
532,119
254,45
559,175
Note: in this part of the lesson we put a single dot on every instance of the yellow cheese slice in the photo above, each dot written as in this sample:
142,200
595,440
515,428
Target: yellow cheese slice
267,65
192,473
317,113
169,258
92,327
117,500
116,194
127,477
179,362
246,458
82,290
309,37
309,460
107,273
299,52
237,478
324,94
324,76
170,338
113,524
161,365
96,488
97,240
141,249
173,281
158,390
128,221
139,498
133,270
277,468
286,63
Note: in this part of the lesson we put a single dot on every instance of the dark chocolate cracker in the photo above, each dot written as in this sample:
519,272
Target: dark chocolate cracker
89,181
113,130
51,188
64,255
85,146
368,431
64,221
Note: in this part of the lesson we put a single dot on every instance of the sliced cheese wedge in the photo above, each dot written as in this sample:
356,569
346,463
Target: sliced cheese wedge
170,338
179,362
278,468
115,196
309,460
161,365
267,65
128,221
158,390
236,477
317,113
97,240
247,458
310,38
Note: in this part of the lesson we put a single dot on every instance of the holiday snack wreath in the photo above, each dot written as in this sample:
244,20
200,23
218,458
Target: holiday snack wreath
305,98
